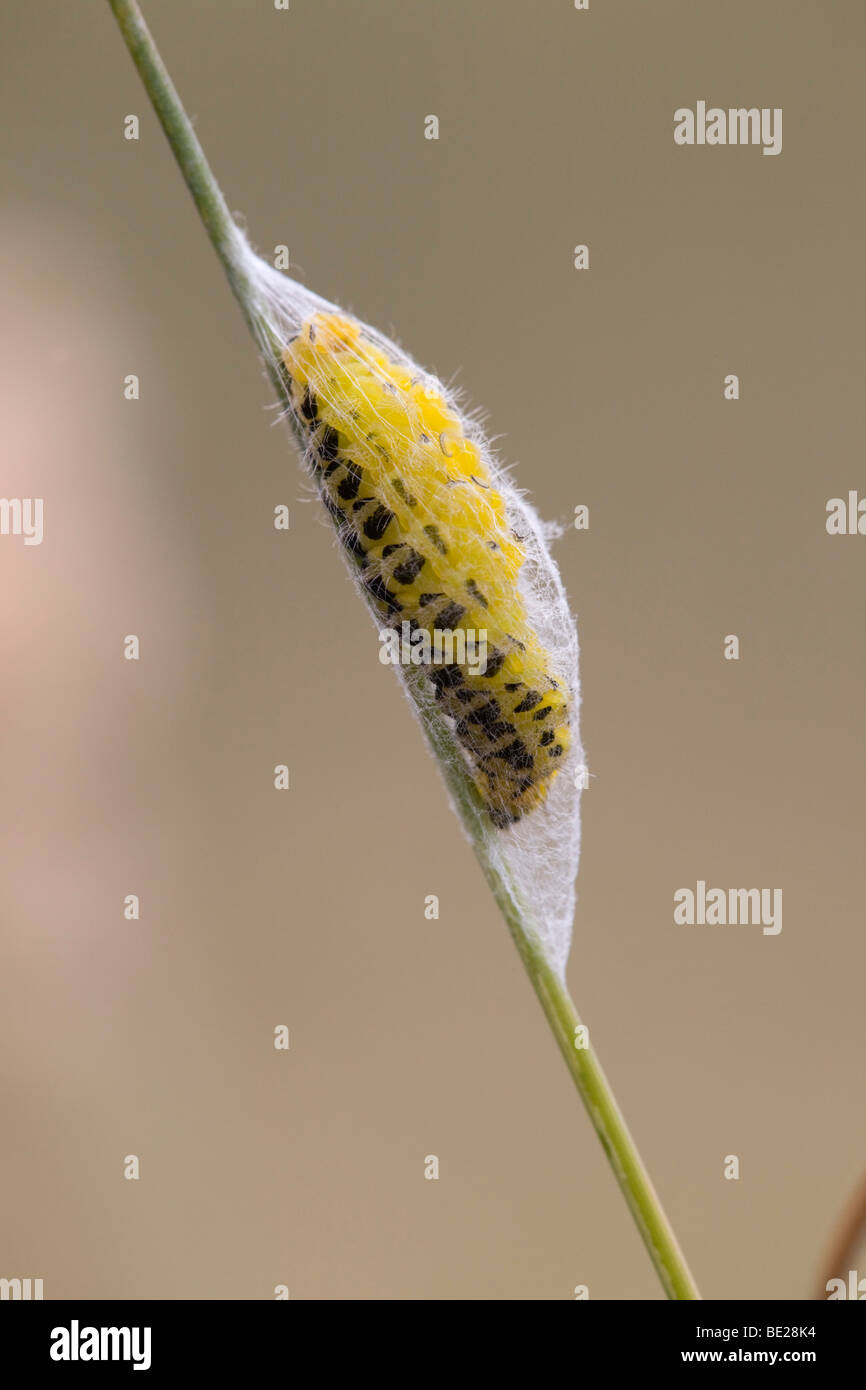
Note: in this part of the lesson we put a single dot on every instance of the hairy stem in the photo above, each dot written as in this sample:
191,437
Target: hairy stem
581,1060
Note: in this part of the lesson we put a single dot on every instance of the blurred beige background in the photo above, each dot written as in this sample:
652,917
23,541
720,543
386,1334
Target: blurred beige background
411,1037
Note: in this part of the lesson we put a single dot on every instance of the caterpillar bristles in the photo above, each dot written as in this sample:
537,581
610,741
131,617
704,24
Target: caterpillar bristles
420,514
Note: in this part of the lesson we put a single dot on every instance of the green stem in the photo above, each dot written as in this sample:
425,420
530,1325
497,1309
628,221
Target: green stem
550,988
591,1082
228,242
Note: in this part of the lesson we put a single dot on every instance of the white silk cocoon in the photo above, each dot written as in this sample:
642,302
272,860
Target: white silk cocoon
536,859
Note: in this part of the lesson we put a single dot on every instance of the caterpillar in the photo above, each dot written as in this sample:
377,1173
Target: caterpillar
419,511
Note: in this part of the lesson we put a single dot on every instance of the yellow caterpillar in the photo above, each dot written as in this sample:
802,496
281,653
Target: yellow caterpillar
418,509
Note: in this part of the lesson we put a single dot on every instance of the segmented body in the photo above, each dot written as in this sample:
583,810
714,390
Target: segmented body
420,512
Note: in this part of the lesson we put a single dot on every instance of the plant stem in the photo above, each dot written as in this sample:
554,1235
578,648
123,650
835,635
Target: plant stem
549,987
847,1238
226,239
582,1062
